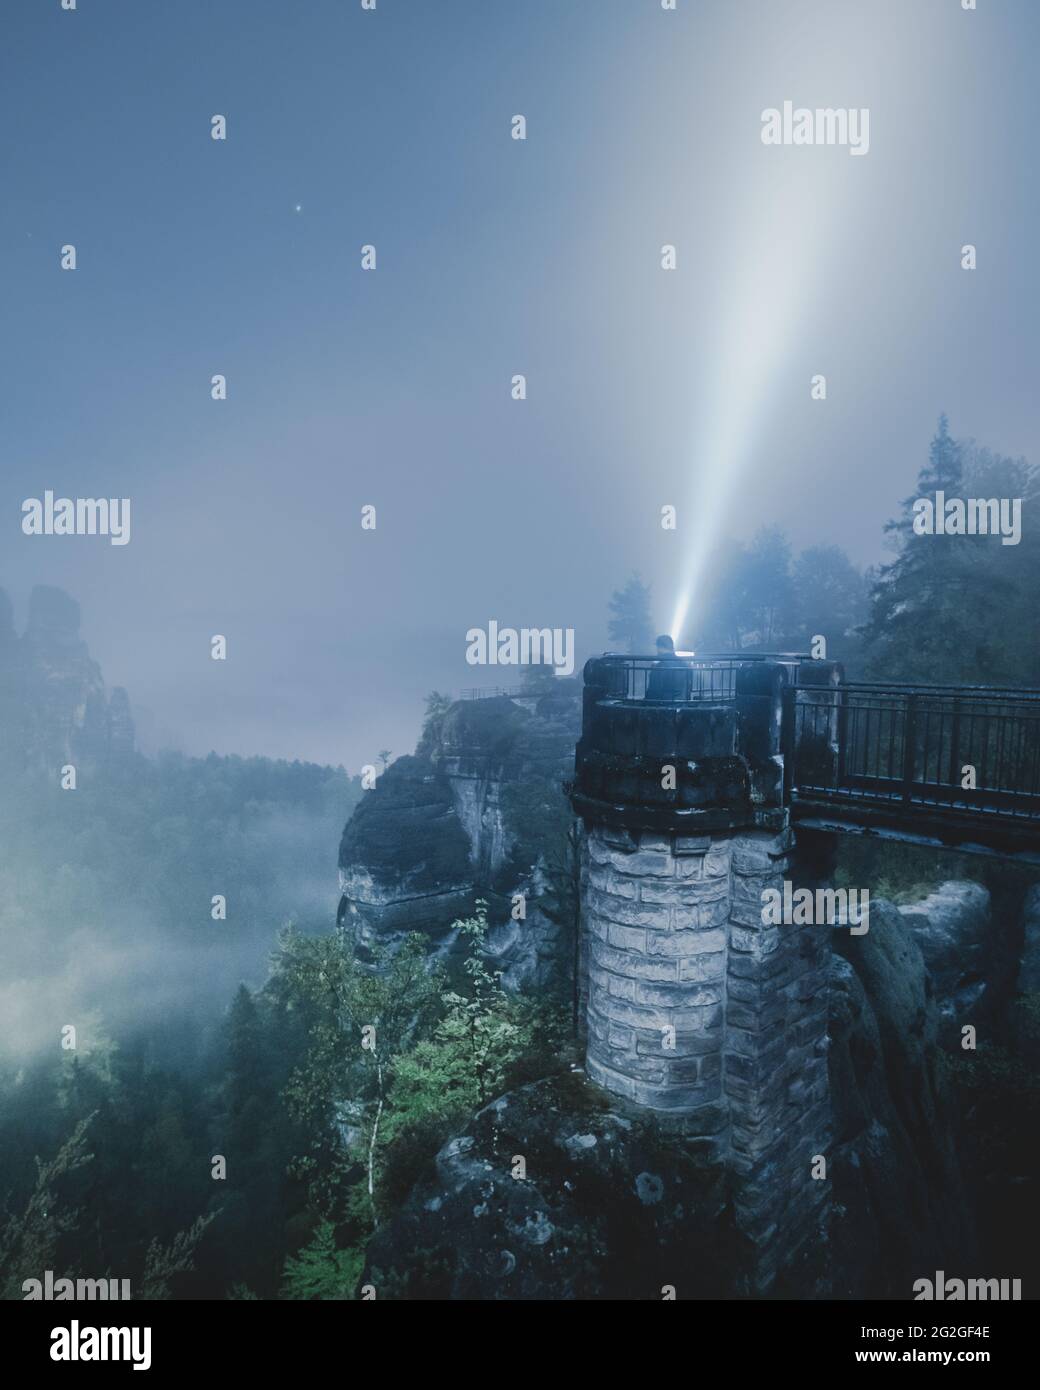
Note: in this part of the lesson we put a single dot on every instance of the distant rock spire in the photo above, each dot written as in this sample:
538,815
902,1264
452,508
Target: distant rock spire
53,615
53,704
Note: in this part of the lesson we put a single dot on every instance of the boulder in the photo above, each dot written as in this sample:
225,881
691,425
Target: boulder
612,1202
404,860
953,930
474,813
607,1205
899,1202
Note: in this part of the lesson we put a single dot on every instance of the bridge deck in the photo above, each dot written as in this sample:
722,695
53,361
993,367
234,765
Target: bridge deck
939,765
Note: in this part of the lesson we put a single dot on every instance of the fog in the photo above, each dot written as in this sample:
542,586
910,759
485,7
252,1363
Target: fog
106,895
495,257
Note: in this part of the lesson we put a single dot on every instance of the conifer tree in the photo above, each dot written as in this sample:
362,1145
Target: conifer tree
935,612
631,624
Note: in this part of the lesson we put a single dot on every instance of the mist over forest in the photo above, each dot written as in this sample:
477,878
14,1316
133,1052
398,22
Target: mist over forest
194,1031
519,662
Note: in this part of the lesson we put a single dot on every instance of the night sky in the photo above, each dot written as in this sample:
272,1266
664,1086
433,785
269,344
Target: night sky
495,257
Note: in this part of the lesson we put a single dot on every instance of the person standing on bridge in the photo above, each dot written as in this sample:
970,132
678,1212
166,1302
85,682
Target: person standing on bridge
667,681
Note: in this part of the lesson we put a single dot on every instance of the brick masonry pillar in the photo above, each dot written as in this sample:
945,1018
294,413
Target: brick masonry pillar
775,1059
695,1008
654,915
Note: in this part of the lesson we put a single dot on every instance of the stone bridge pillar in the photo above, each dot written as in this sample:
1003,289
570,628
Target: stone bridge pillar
693,1007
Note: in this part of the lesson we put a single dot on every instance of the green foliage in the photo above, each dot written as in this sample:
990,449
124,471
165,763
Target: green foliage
320,1270
29,1242
360,1019
149,1180
437,706
396,1058
323,1135
485,1042
473,1045
901,873
165,1263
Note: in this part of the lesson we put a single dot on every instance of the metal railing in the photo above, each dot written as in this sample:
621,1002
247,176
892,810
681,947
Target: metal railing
970,749
489,692
671,680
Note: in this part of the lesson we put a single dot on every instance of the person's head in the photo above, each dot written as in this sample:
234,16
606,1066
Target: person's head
665,646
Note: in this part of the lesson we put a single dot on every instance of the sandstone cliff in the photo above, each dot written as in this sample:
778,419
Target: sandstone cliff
477,811
54,707
617,1203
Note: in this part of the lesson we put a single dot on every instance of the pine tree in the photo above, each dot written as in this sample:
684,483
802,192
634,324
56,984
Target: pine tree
244,1052
320,1271
164,1263
631,623
936,609
830,598
767,588
29,1242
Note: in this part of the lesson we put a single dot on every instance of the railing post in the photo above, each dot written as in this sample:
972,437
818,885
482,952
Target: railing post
909,746
955,741
788,714
843,736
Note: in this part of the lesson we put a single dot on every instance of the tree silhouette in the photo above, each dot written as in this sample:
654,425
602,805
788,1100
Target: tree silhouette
630,622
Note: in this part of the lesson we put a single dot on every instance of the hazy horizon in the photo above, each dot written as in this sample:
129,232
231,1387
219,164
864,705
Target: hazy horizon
496,257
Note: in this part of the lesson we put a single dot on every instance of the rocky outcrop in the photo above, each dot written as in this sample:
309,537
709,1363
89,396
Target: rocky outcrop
54,708
561,1190
952,927
405,860
899,1204
612,1201
556,1191
474,813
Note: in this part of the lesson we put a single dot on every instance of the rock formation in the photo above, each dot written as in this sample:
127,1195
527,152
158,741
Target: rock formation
610,1205
952,927
54,708
471,814
617,1202
899,1204
635,1185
